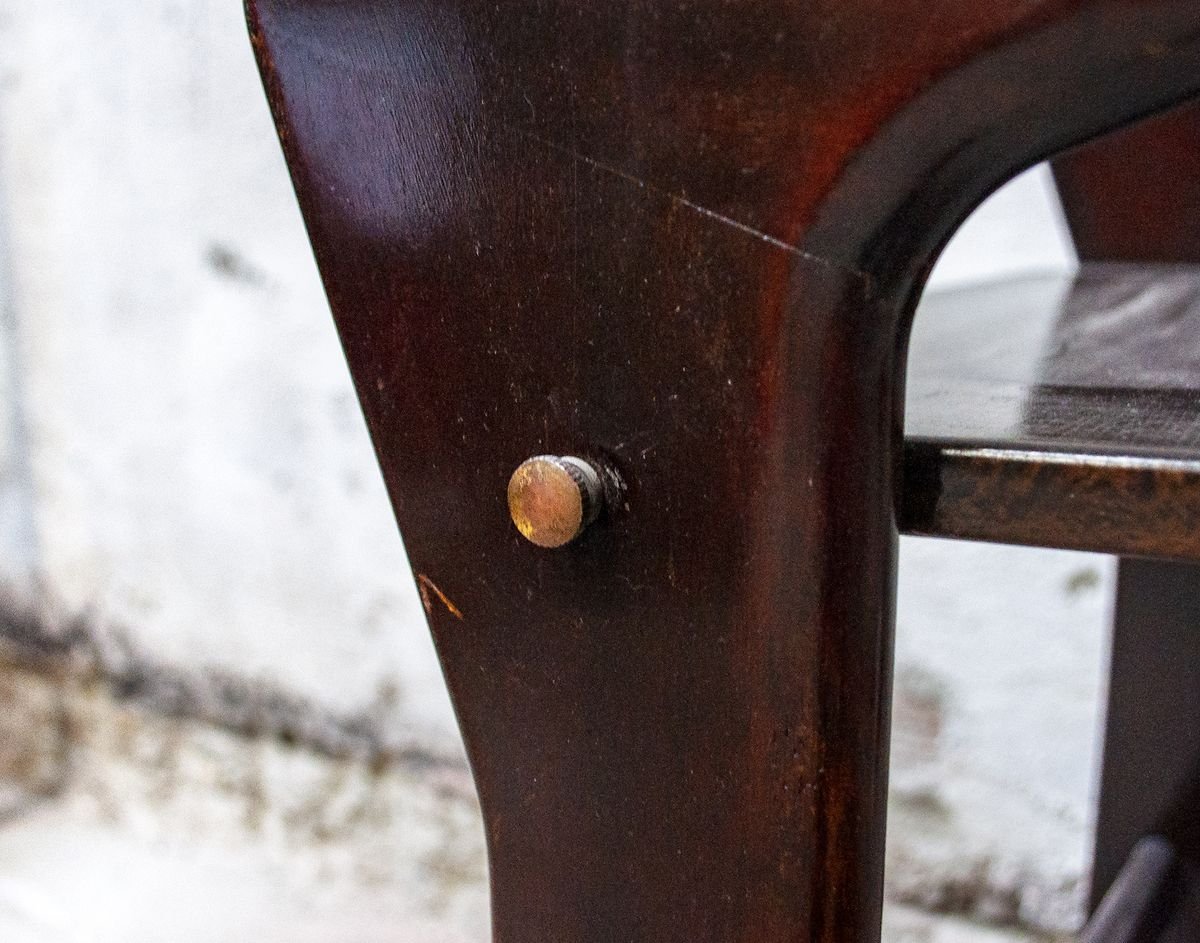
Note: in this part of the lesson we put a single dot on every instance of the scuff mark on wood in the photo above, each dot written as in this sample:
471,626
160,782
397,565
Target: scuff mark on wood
680,200
424,585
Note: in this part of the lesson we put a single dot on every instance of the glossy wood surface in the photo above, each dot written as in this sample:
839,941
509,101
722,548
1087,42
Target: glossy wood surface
1059,412
1139,905
682,240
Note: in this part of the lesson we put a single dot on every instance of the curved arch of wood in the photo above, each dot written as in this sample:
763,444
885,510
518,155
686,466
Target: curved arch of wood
683,238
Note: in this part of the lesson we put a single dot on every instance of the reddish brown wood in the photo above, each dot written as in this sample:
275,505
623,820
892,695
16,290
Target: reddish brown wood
1135,195
683,239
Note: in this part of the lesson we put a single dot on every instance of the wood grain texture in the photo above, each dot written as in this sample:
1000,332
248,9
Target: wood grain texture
1136,195
1060,411
681,239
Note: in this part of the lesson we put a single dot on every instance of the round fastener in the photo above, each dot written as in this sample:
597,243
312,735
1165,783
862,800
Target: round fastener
552,498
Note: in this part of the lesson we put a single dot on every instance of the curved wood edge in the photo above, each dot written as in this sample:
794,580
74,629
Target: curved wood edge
683,240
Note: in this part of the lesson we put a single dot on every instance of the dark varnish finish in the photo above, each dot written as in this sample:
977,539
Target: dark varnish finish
1150,783
1136,195
1059,412
681,240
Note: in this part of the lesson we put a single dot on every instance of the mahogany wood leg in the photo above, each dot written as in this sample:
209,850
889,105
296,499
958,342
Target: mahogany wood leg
682,242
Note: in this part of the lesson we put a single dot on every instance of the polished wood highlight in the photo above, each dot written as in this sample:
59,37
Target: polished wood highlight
685,238
1059,412
1142,899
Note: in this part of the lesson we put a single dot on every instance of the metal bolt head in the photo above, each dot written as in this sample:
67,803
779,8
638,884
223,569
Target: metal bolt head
553,498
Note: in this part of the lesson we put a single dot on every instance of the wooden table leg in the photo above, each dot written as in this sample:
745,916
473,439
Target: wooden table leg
1151,776
681,242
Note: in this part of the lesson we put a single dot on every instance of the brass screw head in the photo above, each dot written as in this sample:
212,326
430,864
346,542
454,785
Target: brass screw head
553,498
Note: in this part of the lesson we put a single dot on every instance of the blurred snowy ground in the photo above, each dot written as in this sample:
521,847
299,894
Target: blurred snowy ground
222,718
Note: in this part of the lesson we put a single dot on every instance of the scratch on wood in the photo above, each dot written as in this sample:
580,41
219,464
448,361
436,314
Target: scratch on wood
695,207
424,585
